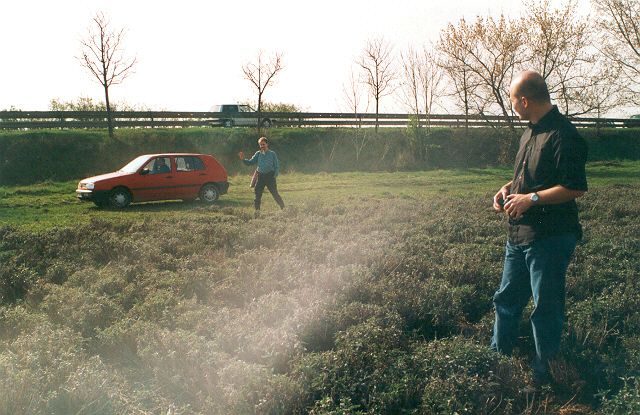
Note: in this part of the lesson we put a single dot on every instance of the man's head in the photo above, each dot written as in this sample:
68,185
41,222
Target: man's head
529,96
263,143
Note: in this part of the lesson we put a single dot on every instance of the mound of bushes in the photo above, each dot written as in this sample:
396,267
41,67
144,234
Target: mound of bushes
310,310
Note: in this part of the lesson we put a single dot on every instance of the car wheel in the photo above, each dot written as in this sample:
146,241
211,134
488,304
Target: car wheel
228,123
101,203
266,123
119,198
209,193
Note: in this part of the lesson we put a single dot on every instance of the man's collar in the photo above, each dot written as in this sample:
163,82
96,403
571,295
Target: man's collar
546,119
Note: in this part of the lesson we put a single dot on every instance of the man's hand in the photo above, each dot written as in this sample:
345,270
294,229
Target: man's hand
516,205
500,198
241,155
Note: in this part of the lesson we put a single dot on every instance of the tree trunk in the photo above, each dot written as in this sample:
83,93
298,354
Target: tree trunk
109,117
259,113
465,91
377,112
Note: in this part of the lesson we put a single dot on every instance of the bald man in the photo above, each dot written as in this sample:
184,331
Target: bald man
543,223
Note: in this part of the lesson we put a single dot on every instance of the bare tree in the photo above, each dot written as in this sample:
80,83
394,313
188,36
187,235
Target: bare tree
488,52
410,83
559,41
619,20
102,55
421,81
597,88
352,93
376,62
603,93
262,74
463,82
559,44
353,99
421,85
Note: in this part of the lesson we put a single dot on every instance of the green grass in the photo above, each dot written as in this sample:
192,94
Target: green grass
53,204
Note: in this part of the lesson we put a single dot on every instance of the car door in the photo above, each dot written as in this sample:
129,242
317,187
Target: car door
157,180
244,117
190,175
230,113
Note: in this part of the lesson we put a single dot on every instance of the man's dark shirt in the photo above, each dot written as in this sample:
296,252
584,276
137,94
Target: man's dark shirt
551,153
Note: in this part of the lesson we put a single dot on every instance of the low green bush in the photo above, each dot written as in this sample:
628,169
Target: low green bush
322,308
462,376
370,367
627,401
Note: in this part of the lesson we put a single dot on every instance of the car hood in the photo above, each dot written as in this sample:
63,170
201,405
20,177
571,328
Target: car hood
105,176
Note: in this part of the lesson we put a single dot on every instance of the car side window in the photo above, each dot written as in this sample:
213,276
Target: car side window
189,163
229,108
159,165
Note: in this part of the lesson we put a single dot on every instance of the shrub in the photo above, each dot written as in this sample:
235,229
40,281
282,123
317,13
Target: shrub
626,401
462,376
326,309
319,333
83,312
369,368
34,367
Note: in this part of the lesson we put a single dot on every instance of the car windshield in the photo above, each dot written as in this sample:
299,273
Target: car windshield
135,164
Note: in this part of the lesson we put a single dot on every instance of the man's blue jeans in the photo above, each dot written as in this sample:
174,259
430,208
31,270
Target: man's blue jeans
537,269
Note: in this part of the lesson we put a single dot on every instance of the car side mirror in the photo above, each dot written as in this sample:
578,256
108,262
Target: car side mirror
144,172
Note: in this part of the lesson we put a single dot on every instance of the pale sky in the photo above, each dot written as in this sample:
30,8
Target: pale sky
190,52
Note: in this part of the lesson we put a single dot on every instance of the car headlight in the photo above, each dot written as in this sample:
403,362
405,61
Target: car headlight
88,185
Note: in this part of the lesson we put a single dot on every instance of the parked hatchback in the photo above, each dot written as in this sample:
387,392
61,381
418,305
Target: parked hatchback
167,176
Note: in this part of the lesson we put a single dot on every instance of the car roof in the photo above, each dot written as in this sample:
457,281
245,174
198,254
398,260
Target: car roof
229,105
174,155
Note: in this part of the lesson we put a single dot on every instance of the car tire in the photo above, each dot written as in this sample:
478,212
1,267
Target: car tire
101,203
228,123
266,123
119,198
209,193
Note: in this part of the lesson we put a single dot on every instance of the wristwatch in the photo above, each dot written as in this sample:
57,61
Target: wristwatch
534,197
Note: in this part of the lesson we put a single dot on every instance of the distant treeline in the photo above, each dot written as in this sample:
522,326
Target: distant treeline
35,156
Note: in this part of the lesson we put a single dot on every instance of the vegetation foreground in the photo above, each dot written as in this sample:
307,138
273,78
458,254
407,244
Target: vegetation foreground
371,293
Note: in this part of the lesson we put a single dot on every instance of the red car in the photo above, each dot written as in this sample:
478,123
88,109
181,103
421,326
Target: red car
168,176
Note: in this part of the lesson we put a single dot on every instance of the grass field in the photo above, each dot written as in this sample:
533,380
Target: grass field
370,294
48,204
54,204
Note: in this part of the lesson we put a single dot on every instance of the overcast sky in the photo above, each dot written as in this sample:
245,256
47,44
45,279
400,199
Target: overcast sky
190,52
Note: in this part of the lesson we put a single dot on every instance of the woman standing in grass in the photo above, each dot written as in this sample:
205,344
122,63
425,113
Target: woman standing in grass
268,169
